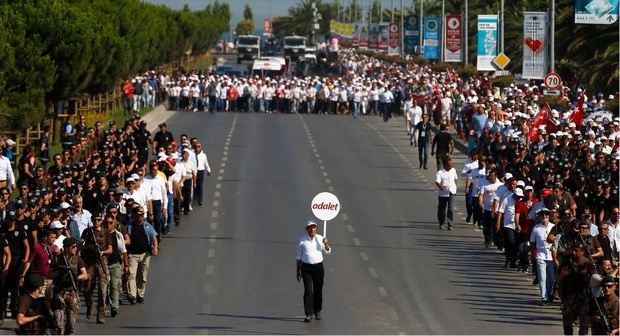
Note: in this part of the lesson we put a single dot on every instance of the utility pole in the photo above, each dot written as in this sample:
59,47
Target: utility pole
465,27
552,38
401,31
501,26
443,30
392,11
421,22
381,12
315,25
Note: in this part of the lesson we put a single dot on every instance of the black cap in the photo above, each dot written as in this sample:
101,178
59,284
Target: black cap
608,279
143,122
11,215
112,123
69,241
19,204
162,125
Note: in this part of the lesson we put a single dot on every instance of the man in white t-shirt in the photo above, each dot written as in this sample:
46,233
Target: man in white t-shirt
542,239
446,180
486,194
506,216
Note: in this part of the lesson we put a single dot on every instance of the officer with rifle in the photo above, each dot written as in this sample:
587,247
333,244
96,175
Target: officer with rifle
95,245
574,276
67,269
603,313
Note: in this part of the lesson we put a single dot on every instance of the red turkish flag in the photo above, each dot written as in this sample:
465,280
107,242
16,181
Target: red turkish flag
544,117
577,116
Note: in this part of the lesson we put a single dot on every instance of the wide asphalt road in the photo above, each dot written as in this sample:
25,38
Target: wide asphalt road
230,267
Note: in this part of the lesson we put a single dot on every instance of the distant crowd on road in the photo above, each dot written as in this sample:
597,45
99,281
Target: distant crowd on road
88,219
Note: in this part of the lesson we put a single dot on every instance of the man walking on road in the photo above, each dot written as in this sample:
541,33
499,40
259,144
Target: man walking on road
202,166
310,267
444,144
423,136
446,180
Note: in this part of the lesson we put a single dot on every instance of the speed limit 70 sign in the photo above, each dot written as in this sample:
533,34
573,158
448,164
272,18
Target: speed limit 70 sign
553,81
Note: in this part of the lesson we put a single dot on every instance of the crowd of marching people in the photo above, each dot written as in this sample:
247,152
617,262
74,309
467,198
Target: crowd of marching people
541,184
87,220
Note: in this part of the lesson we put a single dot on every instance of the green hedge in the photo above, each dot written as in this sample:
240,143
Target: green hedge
55,50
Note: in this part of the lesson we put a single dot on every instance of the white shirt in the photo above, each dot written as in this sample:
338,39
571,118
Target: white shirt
139,197
476,176
448,180
507,207
6,171
539,236
202,162
488,190
83,220
156,186
469,165
310,251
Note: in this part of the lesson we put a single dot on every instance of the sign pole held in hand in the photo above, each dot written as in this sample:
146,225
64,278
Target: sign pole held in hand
325,206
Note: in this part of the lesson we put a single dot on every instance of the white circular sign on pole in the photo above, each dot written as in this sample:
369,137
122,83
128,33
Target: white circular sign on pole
325,206
553,81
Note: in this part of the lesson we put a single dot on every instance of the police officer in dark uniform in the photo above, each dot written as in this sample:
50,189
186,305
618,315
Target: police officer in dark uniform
162,138
32,313
574,276
607,306
142,141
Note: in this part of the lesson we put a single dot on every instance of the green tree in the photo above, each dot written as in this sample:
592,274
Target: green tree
247,13
245,27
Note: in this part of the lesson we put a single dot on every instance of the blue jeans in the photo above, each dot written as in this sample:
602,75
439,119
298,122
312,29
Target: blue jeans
170,211
212,103
158,217
423,152
510,245
310,104
356,109
261,105
469,201
198,191
546,277
445,202
250,106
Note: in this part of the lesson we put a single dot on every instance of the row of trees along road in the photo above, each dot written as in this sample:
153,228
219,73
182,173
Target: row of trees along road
584,54
55,50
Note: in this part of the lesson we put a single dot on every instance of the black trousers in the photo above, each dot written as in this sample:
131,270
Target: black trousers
313,276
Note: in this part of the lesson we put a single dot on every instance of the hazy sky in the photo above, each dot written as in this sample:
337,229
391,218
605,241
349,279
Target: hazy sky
260,8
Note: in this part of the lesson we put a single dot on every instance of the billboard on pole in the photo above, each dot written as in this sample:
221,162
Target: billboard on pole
431,38
394,39
453,46
596,11
373,36
384,36
266,27
412,33
487,42
534,45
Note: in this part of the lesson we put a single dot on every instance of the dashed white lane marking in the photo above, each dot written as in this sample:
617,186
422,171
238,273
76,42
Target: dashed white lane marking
345,217
364,256
219,178
209,270
328,181
350,228
382,291
223,164
324,173
225,158
214,214
330,188
393,313
214,226
211,253
225,153
216,194
216,203
322,167
221,171
356,242
218,186
373,273
212,238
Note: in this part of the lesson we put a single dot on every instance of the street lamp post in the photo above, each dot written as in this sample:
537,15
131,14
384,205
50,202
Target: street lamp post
552,38
466,42
443,30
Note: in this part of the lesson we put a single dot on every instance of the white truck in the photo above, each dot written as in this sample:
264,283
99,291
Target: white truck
248,47
270,67
295,47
